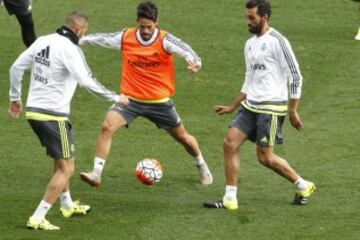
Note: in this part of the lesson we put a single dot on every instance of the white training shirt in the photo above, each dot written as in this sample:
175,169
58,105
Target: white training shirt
171,43
272,71
57,66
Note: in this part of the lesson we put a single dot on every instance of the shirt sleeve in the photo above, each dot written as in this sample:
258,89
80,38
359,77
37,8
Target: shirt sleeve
245,85
107,40
288,62
78,68
175,45
21,64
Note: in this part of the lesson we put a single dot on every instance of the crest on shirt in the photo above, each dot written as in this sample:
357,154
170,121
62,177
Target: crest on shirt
263,47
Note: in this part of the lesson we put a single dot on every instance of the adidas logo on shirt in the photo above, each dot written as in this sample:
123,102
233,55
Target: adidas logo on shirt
43,57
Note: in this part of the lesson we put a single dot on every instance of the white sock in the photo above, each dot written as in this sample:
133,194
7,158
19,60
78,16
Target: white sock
199,160
301,184
230,192
99,164
42,209
65,200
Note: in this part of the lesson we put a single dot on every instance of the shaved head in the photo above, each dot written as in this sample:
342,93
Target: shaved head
76,18
77,22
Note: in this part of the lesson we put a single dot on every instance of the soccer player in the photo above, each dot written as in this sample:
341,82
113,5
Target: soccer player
262,105
22,10
148,82
57,65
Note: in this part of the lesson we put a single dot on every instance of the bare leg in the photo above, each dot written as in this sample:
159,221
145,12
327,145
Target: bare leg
64,168
188,141
232,142
112,122
279,165
192,147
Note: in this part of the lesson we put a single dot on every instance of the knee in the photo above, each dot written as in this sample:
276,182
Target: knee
265,159
108,127
230,146
67,168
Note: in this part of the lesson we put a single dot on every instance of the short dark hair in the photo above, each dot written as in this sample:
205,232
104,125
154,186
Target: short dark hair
264,7
147,10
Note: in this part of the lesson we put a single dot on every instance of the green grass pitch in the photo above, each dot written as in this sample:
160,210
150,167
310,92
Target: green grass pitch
327,152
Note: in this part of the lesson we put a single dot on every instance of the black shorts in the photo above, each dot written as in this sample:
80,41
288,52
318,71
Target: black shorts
263,129
164,115
18,7
56,137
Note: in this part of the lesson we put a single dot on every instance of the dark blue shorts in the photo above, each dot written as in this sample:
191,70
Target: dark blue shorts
263,129
56,137
164,115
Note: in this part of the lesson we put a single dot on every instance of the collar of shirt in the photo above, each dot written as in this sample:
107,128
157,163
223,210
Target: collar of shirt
148,42
66,32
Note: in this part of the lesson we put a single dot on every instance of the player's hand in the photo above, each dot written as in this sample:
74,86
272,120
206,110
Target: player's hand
193,67
15,109
295,121
123,100
220,110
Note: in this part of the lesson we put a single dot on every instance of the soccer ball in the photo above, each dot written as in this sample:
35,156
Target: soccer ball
149,171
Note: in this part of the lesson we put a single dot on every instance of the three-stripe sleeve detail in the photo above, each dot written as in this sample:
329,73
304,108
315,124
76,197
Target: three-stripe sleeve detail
293,69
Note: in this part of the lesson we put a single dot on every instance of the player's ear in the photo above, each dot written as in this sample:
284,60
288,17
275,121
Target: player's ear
77,30
266,17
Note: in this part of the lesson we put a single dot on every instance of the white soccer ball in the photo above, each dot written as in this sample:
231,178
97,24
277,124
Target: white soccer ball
149,171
